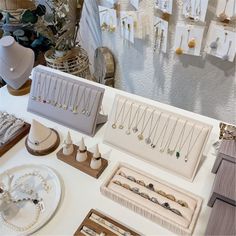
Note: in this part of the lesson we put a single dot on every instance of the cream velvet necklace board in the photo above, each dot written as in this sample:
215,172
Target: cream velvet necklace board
168,139
29,197
15,71
66,99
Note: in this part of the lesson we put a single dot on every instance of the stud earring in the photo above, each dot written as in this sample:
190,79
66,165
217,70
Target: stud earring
214,44
226,56
179,50
223,16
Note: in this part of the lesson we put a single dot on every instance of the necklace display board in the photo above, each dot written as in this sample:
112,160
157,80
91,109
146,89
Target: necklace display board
159,201
159,136
66,99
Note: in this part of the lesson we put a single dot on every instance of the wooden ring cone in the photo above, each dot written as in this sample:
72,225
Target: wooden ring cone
96,161
68,147
41,139
82,154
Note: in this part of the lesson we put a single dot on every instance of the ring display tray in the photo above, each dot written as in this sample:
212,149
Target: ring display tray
82,166
21,133
100,223
163,203
168,139
66,99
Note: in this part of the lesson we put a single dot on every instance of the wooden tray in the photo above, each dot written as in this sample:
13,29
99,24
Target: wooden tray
99,228
82,166
21,133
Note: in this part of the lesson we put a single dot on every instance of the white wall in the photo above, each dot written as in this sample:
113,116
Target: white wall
203,85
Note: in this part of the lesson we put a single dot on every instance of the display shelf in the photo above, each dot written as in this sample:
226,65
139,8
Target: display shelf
81,192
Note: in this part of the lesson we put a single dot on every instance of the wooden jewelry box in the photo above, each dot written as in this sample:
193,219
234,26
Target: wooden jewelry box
161,202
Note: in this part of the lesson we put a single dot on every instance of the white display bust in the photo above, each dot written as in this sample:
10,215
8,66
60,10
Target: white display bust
16,62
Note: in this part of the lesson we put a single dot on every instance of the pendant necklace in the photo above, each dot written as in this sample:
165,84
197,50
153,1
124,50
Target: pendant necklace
37,143
140,136
77,101
180,137
64,105
35,87
135,128
88,111
130,123
53,96
198,11
223,15
60,95
162,149
86,104
194,143
181,145
40,88
164,127
148,140
45,98
69,105
10,68
128,114
117,116
168,143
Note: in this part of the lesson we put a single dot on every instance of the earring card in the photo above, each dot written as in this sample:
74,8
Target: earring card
189,38
223,40
226,9
66,99
160,34
159,201
166,6
82,166
101,223
195,9
155,135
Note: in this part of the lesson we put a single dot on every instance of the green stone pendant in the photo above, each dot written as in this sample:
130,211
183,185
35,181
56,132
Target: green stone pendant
177,154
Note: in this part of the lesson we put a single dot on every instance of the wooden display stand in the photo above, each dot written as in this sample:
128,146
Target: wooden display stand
99,228
82,166
25,89
21,133
46,151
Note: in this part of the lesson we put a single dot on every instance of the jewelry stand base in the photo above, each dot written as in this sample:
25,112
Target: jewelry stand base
25,89
46,151
21,133
82,166
99,228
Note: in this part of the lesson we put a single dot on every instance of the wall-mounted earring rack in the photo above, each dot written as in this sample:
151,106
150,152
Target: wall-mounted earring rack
66,99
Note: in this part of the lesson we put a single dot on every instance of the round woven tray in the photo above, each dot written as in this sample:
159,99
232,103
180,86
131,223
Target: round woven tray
75,62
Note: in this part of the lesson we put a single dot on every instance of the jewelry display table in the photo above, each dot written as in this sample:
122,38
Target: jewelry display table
81,193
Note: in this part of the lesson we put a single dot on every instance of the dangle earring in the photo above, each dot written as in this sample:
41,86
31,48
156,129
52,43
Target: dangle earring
111,27
226,56
223,16
214,44
188,9
156,35
198,11
165,6
192,41
104,25
161,38
179,50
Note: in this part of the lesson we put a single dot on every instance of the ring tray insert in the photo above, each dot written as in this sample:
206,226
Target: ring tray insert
66,99
21,133
82,166
181,225
99,228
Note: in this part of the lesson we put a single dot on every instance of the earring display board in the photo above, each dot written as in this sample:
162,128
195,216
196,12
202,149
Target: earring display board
160,34
169,140
159,201
97,223
12,130
221,41
226,9
188,39
66,100
195,9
